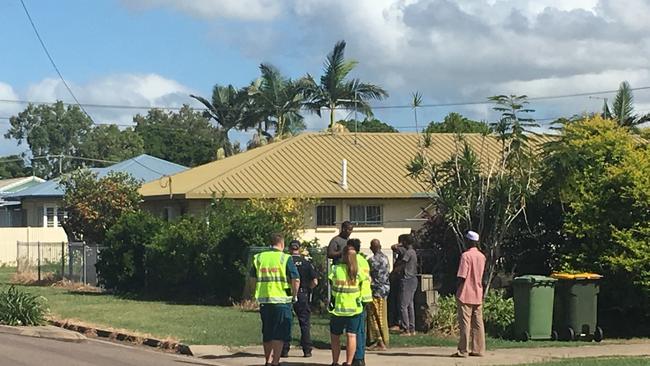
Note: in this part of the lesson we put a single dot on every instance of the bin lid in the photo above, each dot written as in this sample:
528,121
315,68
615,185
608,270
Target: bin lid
533,279
576,276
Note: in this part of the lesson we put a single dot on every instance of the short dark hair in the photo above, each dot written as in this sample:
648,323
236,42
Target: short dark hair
405,239
276,238
346,224
354,243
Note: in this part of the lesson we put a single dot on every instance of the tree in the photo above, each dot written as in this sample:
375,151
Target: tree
230,108
367,125
470,192
596,177
279,100
457,123
185,137
51,131
13,166
622,110
94,204
335,90
108,142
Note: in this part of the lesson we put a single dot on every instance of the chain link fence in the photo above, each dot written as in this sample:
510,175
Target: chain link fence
74,261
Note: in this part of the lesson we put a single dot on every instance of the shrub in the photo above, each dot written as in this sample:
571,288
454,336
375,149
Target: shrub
498,316
203,258
18,307
121,264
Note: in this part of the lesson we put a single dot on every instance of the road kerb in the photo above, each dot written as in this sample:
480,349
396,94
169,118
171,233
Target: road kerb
45,332
90,331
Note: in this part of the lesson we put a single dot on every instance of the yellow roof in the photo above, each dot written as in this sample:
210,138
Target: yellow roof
309,165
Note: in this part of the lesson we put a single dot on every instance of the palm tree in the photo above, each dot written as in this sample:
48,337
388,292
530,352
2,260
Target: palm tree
335,90
230,108
622,110
278,99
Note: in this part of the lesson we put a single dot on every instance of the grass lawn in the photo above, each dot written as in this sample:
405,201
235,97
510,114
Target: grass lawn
200,324
596,362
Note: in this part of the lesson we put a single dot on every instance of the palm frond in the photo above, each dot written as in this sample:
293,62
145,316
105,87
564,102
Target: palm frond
623,103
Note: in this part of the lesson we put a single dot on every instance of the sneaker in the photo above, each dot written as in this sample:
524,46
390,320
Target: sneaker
306,353
284,354
358,363
459,355
474,354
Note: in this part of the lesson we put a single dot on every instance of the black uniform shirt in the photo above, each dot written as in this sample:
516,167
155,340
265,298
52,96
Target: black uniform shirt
305,269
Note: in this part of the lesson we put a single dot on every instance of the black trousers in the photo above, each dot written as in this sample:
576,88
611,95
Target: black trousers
303,313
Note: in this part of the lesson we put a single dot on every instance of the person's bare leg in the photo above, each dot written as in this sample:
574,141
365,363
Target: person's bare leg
335,342
350,347
277,351
268,350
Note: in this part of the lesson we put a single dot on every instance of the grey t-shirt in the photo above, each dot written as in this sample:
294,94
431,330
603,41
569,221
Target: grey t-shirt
411,259
337,243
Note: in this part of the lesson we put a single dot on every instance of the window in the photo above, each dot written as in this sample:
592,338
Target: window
325,215
53,216
370,215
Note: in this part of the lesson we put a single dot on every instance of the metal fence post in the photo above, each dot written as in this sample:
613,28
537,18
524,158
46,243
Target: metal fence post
83,254
70,252
38,249
62,259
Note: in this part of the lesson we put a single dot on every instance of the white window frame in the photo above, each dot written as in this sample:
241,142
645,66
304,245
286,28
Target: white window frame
365,222
55,218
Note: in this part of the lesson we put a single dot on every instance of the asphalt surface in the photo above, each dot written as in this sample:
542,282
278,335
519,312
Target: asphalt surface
27,351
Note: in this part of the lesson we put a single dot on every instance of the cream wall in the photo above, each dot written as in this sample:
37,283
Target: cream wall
9,236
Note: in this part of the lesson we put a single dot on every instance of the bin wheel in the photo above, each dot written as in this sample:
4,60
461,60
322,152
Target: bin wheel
598,334
555,336
570,334
525,336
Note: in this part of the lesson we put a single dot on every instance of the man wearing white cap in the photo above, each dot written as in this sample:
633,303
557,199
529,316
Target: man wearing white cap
469,297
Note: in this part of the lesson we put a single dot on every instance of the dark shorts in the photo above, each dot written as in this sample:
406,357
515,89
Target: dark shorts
349,324
276,322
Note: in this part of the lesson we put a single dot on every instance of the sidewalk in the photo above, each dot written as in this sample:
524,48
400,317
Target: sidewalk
428,356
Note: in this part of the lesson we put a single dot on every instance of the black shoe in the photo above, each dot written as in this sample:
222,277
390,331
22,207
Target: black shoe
306,353
284,354
358,363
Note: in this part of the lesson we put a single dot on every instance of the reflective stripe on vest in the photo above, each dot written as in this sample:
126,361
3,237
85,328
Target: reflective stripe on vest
272,281
346,296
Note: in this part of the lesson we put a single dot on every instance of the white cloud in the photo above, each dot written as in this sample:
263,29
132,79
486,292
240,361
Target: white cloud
147,90
211,9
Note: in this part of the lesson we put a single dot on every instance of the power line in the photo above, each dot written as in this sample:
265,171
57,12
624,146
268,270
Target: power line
430,105
47,53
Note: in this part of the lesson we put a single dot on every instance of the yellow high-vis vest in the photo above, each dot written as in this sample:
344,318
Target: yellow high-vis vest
272,286
364,270
346,296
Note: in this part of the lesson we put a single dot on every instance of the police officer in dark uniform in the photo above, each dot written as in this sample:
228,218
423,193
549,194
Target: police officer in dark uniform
308,280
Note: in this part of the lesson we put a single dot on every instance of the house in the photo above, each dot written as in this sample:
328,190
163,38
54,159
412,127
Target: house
357,177
41,204
37,211
10,209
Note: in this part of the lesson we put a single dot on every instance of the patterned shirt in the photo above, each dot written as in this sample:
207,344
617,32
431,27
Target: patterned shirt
379,275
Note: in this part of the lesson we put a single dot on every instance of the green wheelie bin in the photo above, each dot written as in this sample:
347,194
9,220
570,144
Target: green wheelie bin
533,297
576,307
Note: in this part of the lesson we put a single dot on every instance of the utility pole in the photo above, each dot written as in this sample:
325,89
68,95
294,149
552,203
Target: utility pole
60,165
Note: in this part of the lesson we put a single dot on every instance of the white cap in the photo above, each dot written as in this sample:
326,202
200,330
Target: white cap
472,235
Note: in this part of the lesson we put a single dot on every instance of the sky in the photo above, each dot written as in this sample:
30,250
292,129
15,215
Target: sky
157,52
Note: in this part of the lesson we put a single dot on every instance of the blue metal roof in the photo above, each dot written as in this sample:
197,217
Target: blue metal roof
143,167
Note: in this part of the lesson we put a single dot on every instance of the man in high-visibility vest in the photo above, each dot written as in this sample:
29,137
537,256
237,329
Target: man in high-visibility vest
366,298
276,288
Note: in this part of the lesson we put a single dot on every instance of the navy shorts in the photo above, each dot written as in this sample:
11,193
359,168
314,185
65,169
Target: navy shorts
276,322
349,324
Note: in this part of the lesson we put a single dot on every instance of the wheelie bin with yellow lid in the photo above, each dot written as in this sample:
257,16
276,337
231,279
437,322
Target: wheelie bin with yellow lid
575,313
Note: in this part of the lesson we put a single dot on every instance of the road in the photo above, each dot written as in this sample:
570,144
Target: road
27,351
